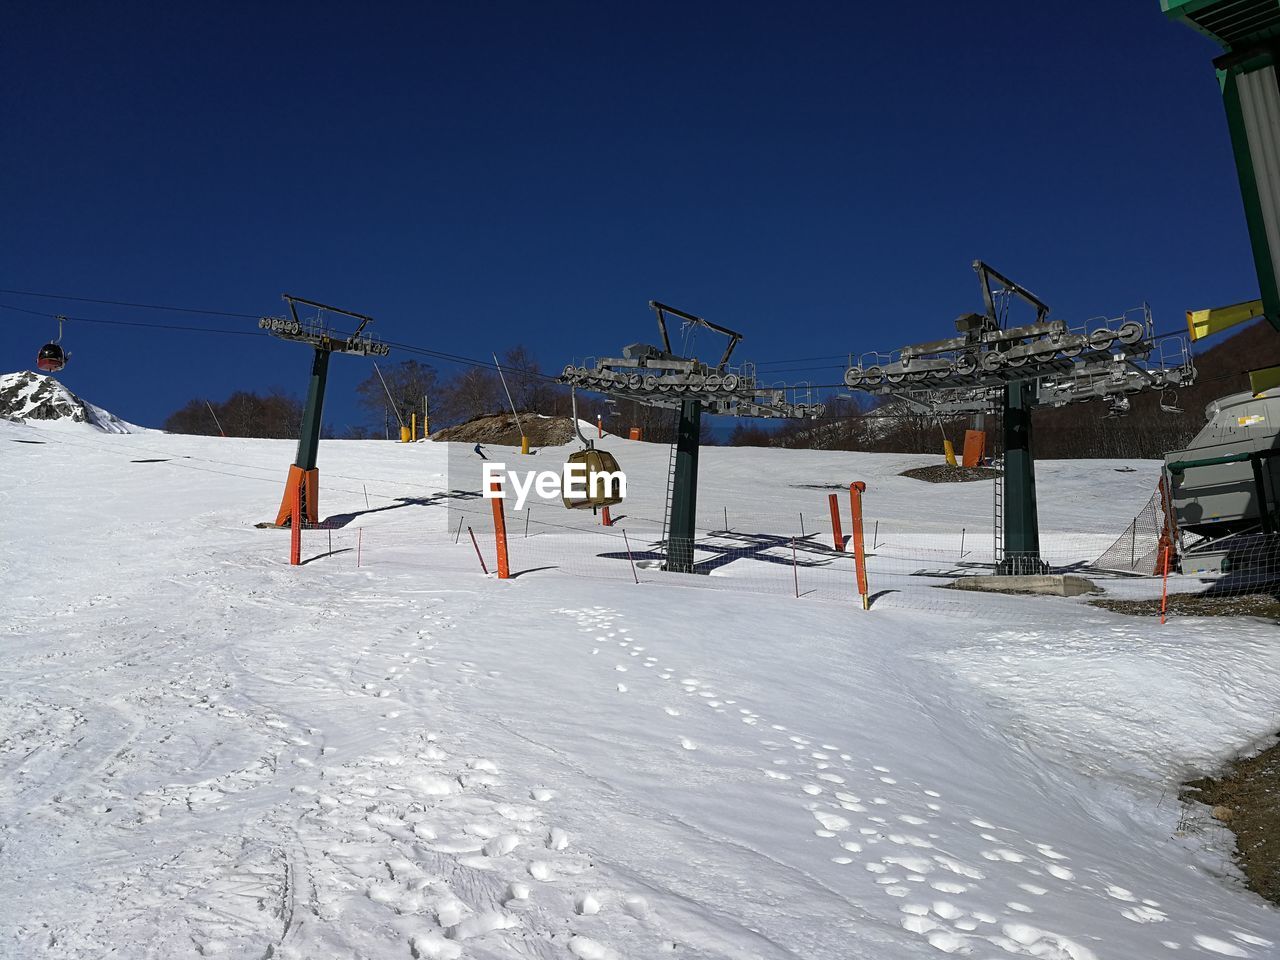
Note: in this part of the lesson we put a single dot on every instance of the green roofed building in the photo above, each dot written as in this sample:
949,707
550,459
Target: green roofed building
1248,31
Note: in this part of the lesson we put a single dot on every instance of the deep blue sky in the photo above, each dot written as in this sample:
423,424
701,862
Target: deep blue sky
819,176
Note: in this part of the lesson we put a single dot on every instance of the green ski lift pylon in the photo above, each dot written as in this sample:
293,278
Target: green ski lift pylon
658,377
324,343
992,365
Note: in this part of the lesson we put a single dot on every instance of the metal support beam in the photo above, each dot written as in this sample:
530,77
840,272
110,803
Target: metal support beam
684,489
1252,104
309,437
1021,524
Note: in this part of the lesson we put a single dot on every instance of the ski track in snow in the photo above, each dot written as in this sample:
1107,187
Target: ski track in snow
205,753
883,828
395,836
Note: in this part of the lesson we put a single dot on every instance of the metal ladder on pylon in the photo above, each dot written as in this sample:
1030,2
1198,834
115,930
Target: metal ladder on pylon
997,493
671,483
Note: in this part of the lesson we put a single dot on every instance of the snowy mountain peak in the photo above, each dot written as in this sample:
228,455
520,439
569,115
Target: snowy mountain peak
33,398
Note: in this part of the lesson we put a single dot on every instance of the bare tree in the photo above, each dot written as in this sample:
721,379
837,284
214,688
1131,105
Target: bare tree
472,393
530,390
407,382
243,414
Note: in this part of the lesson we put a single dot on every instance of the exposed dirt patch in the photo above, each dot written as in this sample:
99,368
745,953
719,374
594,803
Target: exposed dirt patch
941,473
1246,798
502,429
1262,605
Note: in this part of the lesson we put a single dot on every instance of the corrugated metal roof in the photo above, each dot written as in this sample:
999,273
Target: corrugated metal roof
1233,23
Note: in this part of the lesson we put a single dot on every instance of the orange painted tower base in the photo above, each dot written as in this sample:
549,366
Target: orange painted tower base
309,481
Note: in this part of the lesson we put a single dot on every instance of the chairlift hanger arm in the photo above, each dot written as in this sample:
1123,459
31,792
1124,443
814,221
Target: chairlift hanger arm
577,424
662,309
986,274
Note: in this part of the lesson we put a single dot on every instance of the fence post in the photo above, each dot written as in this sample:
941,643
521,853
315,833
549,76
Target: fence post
836,533
795,570
630,557
859,548
295,528
478,553
500,530
359,543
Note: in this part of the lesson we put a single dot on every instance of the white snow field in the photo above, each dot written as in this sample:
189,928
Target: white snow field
207,752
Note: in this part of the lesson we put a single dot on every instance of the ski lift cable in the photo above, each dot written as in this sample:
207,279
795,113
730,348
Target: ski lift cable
412,349
186,328
127,303
254,316
134,323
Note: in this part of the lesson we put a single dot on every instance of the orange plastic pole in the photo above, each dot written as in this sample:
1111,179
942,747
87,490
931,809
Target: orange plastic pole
605,519
837,534
500,532
1164,587
859,548
599,425
295,529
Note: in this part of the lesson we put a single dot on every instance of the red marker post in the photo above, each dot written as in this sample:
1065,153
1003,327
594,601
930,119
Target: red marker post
859,548
837,535
500,531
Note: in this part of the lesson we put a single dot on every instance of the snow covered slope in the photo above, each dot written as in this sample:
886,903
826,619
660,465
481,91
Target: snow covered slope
204,751
27,397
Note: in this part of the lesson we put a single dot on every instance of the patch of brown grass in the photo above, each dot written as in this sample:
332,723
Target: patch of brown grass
1266,606
942,473
1246,798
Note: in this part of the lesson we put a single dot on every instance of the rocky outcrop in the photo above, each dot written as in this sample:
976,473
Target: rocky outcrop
27,397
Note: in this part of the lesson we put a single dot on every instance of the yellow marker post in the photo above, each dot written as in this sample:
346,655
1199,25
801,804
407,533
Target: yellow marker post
524,445
413,426
949,449
404,434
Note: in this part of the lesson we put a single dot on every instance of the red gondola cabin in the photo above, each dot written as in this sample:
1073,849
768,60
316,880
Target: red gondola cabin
51,359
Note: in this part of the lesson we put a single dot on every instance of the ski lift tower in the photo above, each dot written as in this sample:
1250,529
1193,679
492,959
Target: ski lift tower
990,365
304,474
657,376
1248,31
